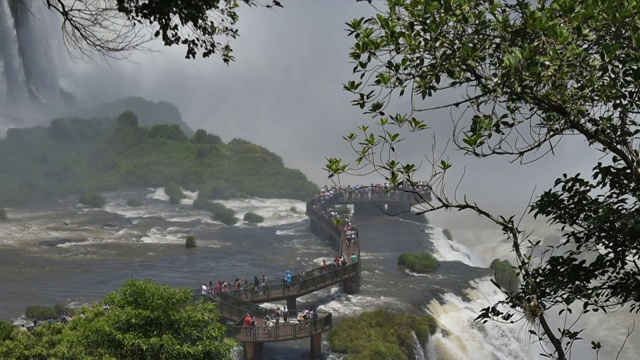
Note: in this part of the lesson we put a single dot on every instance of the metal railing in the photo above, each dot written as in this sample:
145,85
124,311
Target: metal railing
283,331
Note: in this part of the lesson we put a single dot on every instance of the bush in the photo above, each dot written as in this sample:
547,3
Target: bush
174,191
191,242
253,218
7,331
418,262
505,275
3,214
39,312
388,335
447,234
226,216
93,200
174,200
63,309
134,203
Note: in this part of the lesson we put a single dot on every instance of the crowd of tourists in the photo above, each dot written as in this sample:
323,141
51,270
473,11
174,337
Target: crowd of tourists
406,192
305,318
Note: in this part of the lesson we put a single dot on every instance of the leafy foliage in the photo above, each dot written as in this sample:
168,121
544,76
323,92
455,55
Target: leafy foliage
144,321
3,214
524,75
419,262
86,156
40,312
505,275
380,334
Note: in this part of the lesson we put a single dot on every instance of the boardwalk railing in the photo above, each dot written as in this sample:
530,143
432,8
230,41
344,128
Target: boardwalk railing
235,308
314,279
283,331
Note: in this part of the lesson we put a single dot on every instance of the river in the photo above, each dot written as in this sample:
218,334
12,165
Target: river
61,252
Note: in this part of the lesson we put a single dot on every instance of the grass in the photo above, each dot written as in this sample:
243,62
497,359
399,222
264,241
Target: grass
418,262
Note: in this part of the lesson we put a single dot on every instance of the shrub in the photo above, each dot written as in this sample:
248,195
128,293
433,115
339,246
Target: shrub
191,242
253,218
505,275
173,190
63,309
418,262
174,200
39,312
93,200
3,214
7,331
447,234
134,203
388,334
226,216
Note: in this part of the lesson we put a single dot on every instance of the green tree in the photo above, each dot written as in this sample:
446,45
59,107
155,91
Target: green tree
150,321
523,74
144,321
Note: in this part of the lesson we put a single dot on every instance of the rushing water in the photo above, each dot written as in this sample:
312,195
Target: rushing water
60,252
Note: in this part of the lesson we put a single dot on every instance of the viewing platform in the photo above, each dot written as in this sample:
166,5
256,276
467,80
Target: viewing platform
235,304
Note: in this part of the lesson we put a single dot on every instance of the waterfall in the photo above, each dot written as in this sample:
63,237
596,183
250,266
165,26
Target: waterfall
417,348
29,61
13,68
430,351
40,65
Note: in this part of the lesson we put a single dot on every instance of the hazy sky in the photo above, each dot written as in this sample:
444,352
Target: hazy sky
284,91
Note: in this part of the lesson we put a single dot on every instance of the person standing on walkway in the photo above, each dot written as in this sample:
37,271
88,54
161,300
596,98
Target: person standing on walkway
246,323
287,279
277,316
323,267
354,258
285,314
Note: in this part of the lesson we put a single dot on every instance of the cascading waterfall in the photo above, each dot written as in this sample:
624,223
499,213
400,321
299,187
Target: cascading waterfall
417,348
13,68
430,350
37,56
29,64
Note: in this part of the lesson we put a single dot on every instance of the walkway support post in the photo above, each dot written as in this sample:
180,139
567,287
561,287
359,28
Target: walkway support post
316,350
251,350
291,303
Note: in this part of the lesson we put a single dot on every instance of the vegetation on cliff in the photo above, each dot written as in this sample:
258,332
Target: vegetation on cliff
381,334
418,262
76,156
505,275
3,214
143,321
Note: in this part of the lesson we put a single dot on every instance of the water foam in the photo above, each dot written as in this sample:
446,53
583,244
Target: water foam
448,250
461,337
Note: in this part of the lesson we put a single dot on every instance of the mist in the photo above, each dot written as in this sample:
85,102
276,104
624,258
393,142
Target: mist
284,92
